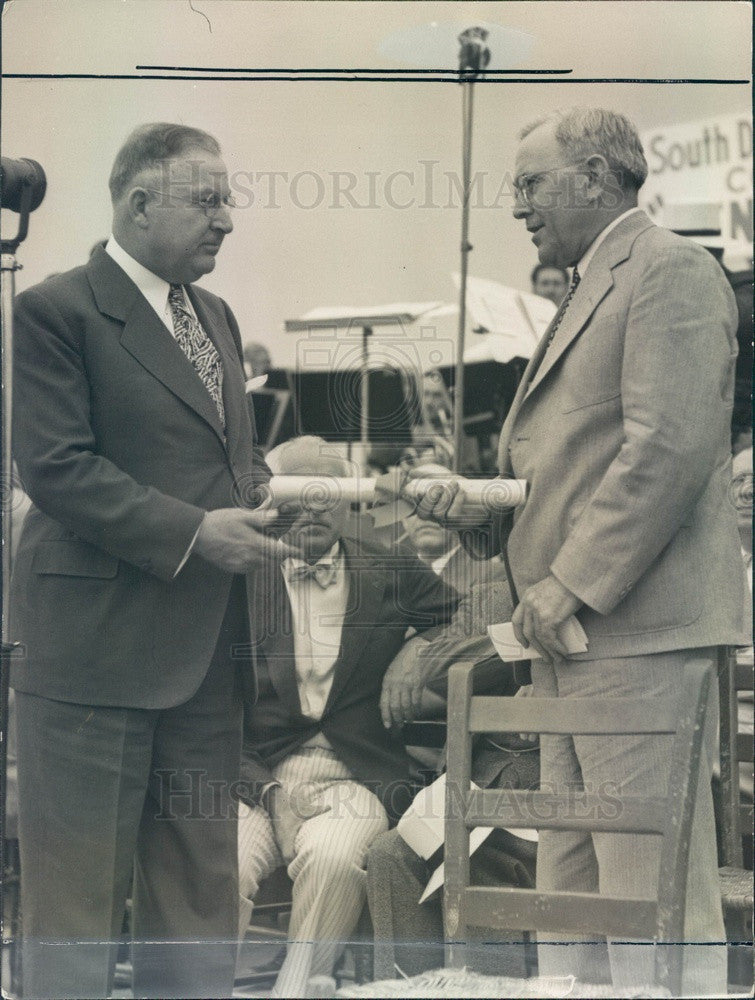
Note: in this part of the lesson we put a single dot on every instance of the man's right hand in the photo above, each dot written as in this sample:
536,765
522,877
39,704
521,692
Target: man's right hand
447,504
232,539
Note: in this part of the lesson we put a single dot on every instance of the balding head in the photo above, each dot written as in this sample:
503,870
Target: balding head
307,456
313,524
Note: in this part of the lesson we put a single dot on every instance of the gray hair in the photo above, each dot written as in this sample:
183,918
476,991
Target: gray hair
587,131
150,146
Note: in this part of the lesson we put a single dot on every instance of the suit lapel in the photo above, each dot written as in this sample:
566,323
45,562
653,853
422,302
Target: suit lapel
367,584
273,608
504,467
594,286
591,290
146,338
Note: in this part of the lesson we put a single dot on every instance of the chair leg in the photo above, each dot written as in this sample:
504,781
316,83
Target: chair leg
456,954
739,933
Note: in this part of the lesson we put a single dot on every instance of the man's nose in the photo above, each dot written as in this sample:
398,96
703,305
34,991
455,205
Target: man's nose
520,209
222,220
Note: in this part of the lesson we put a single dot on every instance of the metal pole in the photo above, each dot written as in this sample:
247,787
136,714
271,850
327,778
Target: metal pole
474,56
364,416
467,108
8,268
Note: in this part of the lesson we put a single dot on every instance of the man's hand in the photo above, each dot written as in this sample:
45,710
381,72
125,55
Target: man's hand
231,538
287,817
447,504
408,673
544,607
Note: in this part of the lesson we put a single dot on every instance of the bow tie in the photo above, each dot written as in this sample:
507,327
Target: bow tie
324,573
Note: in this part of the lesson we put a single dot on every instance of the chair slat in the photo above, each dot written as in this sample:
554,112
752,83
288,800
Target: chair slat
607,716
572,912
743,677
745,744
577,811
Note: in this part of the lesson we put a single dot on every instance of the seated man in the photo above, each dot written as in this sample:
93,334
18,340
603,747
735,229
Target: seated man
407,933
442,551
321,776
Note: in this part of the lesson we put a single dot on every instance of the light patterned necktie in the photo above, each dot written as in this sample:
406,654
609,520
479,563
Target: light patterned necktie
197,347
575,279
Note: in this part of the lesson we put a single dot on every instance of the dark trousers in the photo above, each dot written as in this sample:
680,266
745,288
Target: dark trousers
104,791
410,936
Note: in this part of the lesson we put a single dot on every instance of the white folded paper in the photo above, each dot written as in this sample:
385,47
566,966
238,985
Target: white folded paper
508,647
422,827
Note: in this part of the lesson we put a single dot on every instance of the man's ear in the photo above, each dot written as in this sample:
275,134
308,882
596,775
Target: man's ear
601,179
136,206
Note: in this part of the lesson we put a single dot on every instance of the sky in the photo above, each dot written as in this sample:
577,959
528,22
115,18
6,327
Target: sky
348,189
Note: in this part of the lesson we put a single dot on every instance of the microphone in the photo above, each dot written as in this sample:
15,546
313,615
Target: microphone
17,177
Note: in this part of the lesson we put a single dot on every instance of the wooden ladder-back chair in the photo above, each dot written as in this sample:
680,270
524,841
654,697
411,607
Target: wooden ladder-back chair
574,912
735,816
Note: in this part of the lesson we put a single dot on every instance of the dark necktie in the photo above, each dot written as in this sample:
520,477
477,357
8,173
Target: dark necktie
323,573
575,279
198,348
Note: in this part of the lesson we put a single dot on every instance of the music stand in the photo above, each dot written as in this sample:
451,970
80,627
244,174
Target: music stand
366,319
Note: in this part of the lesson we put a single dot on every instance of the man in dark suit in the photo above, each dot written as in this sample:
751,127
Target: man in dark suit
321,776
134,442
620,426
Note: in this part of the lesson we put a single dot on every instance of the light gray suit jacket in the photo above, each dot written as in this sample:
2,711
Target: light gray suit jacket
622,431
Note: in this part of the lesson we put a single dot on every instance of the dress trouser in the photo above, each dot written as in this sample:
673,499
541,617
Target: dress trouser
628,864
340,819
409,936
104,791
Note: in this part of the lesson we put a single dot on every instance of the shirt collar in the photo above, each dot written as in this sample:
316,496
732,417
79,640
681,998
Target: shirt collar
154,288
439,564
590,252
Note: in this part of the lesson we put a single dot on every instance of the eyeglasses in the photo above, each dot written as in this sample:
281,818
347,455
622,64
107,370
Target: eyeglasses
526,184
210,204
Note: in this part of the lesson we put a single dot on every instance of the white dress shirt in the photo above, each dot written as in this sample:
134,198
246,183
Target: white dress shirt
317,616
154,288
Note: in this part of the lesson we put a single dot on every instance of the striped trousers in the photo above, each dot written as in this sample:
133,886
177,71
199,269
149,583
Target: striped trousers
329,882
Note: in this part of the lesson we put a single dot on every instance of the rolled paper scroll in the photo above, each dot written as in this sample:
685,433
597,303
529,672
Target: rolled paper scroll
394,497
493,494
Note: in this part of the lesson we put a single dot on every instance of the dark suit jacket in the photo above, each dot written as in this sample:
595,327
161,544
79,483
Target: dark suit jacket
621,430
387,593
121,450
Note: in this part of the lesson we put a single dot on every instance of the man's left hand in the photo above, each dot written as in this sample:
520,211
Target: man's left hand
404,680
542,610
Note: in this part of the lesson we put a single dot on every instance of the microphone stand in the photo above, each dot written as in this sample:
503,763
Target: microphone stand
8,268
474,56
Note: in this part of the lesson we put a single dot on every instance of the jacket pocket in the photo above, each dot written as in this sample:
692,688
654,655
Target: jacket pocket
64,557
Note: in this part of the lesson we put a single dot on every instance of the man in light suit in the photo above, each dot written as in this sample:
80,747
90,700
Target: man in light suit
134,442
620,427
321,775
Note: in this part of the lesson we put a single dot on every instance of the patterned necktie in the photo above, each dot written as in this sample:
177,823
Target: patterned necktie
197,347
575,279
323,573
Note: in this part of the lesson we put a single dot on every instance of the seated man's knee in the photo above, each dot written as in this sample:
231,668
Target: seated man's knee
383,849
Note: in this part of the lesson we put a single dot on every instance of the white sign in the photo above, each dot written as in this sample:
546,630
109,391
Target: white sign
704,161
